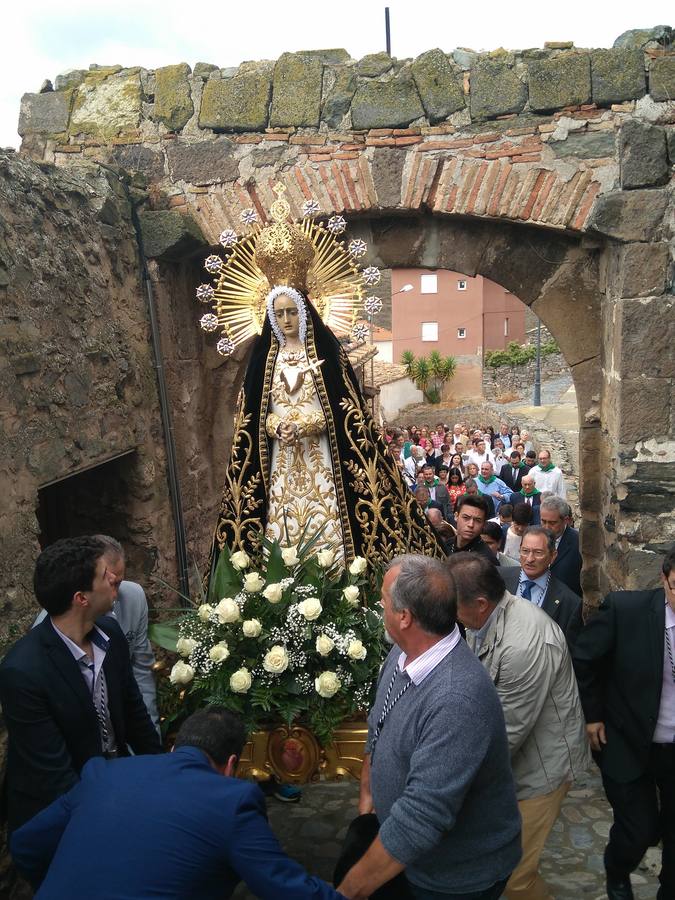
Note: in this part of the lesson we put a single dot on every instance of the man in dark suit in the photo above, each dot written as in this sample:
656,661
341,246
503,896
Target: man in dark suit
438,492
535,582
555,514
528,494
167,826
512,474
67,687
625,665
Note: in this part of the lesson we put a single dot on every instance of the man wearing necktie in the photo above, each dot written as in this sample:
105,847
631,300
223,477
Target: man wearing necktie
625,665
535,582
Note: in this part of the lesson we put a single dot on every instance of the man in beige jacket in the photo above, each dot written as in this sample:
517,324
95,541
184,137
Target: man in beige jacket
526,654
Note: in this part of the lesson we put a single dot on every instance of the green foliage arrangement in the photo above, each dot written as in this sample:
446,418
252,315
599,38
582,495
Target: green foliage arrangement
518,354
286,637
429,372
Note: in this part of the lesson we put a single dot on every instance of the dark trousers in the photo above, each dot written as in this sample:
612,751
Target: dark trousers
644,813
491,893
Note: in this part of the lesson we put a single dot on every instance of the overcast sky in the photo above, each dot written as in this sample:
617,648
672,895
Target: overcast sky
42,38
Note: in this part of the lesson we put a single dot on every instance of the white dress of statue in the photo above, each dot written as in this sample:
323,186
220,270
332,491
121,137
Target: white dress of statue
302,495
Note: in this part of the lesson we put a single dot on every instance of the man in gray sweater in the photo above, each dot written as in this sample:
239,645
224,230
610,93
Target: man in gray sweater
437,769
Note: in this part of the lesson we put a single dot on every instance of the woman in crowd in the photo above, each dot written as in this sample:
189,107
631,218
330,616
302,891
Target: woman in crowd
456,485
457,462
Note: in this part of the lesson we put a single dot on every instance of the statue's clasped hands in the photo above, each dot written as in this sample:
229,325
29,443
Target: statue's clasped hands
288,433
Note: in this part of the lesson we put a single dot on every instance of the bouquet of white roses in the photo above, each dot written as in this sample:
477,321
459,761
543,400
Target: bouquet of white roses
287,637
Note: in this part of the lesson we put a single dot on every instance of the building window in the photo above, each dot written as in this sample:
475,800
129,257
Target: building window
506,327
461,332
429,284
429,331
461,285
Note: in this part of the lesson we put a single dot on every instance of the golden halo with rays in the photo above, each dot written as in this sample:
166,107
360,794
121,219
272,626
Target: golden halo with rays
334,284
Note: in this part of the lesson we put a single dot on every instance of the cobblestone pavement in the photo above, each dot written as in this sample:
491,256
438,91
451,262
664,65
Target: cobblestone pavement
311,832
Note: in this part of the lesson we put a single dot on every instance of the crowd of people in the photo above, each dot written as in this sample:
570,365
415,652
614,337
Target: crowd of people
488,707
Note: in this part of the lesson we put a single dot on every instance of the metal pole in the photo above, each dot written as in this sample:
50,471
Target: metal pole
537,370
387,30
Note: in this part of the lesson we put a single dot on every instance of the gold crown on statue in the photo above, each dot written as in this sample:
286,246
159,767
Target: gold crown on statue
282,251
307,256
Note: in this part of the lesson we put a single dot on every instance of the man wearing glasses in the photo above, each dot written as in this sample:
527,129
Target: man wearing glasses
535,582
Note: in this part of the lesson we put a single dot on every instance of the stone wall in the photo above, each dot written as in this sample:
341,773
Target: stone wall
520,379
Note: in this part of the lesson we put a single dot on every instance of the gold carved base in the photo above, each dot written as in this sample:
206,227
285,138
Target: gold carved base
294,755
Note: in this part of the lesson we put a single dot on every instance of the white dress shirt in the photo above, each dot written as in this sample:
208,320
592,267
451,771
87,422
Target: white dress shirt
665,723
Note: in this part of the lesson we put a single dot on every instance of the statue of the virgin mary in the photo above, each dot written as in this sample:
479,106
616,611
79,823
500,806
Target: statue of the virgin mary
307,461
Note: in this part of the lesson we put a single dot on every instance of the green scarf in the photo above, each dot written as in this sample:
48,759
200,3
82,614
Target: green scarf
487,480
533,494
429,484
521,465
546,468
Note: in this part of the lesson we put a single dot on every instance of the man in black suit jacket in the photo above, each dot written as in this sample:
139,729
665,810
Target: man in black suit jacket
67,687
535,581
555,514
529,494
512,474
626,674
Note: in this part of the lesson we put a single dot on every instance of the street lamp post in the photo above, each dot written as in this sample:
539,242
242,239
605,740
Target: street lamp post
537,371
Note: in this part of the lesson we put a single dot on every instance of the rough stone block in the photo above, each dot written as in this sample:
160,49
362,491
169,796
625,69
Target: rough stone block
107,104
296,91
374,64
642,270
643,155
662,78
638,38
173,101
71,79
203,70
670,143
268,156
168,234
648,338
207,162
47,113
387,171
239,103
630,215
333,57
564,80
617,75
496,90
438,86
136,158
645,407
339,95
585,145
386,104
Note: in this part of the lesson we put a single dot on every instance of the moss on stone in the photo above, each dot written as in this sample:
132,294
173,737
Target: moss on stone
564,80
374,64
296,91
438,86
662,78
173,102
386,104
339,95
496,90
237,104
107,104
617,75
169,234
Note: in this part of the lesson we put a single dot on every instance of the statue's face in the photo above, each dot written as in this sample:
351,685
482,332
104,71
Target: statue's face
286,311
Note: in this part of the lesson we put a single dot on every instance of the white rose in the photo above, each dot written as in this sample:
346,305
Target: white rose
219,652
327,684
227,611
253,582
204,612
240,560
276,660
240,681
273,593
325,558
251,628
181,673
290,556
324,644
356,650
185,646
310,608
358,566
351,594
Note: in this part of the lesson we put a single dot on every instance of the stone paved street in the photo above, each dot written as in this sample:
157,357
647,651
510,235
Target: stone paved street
311,831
